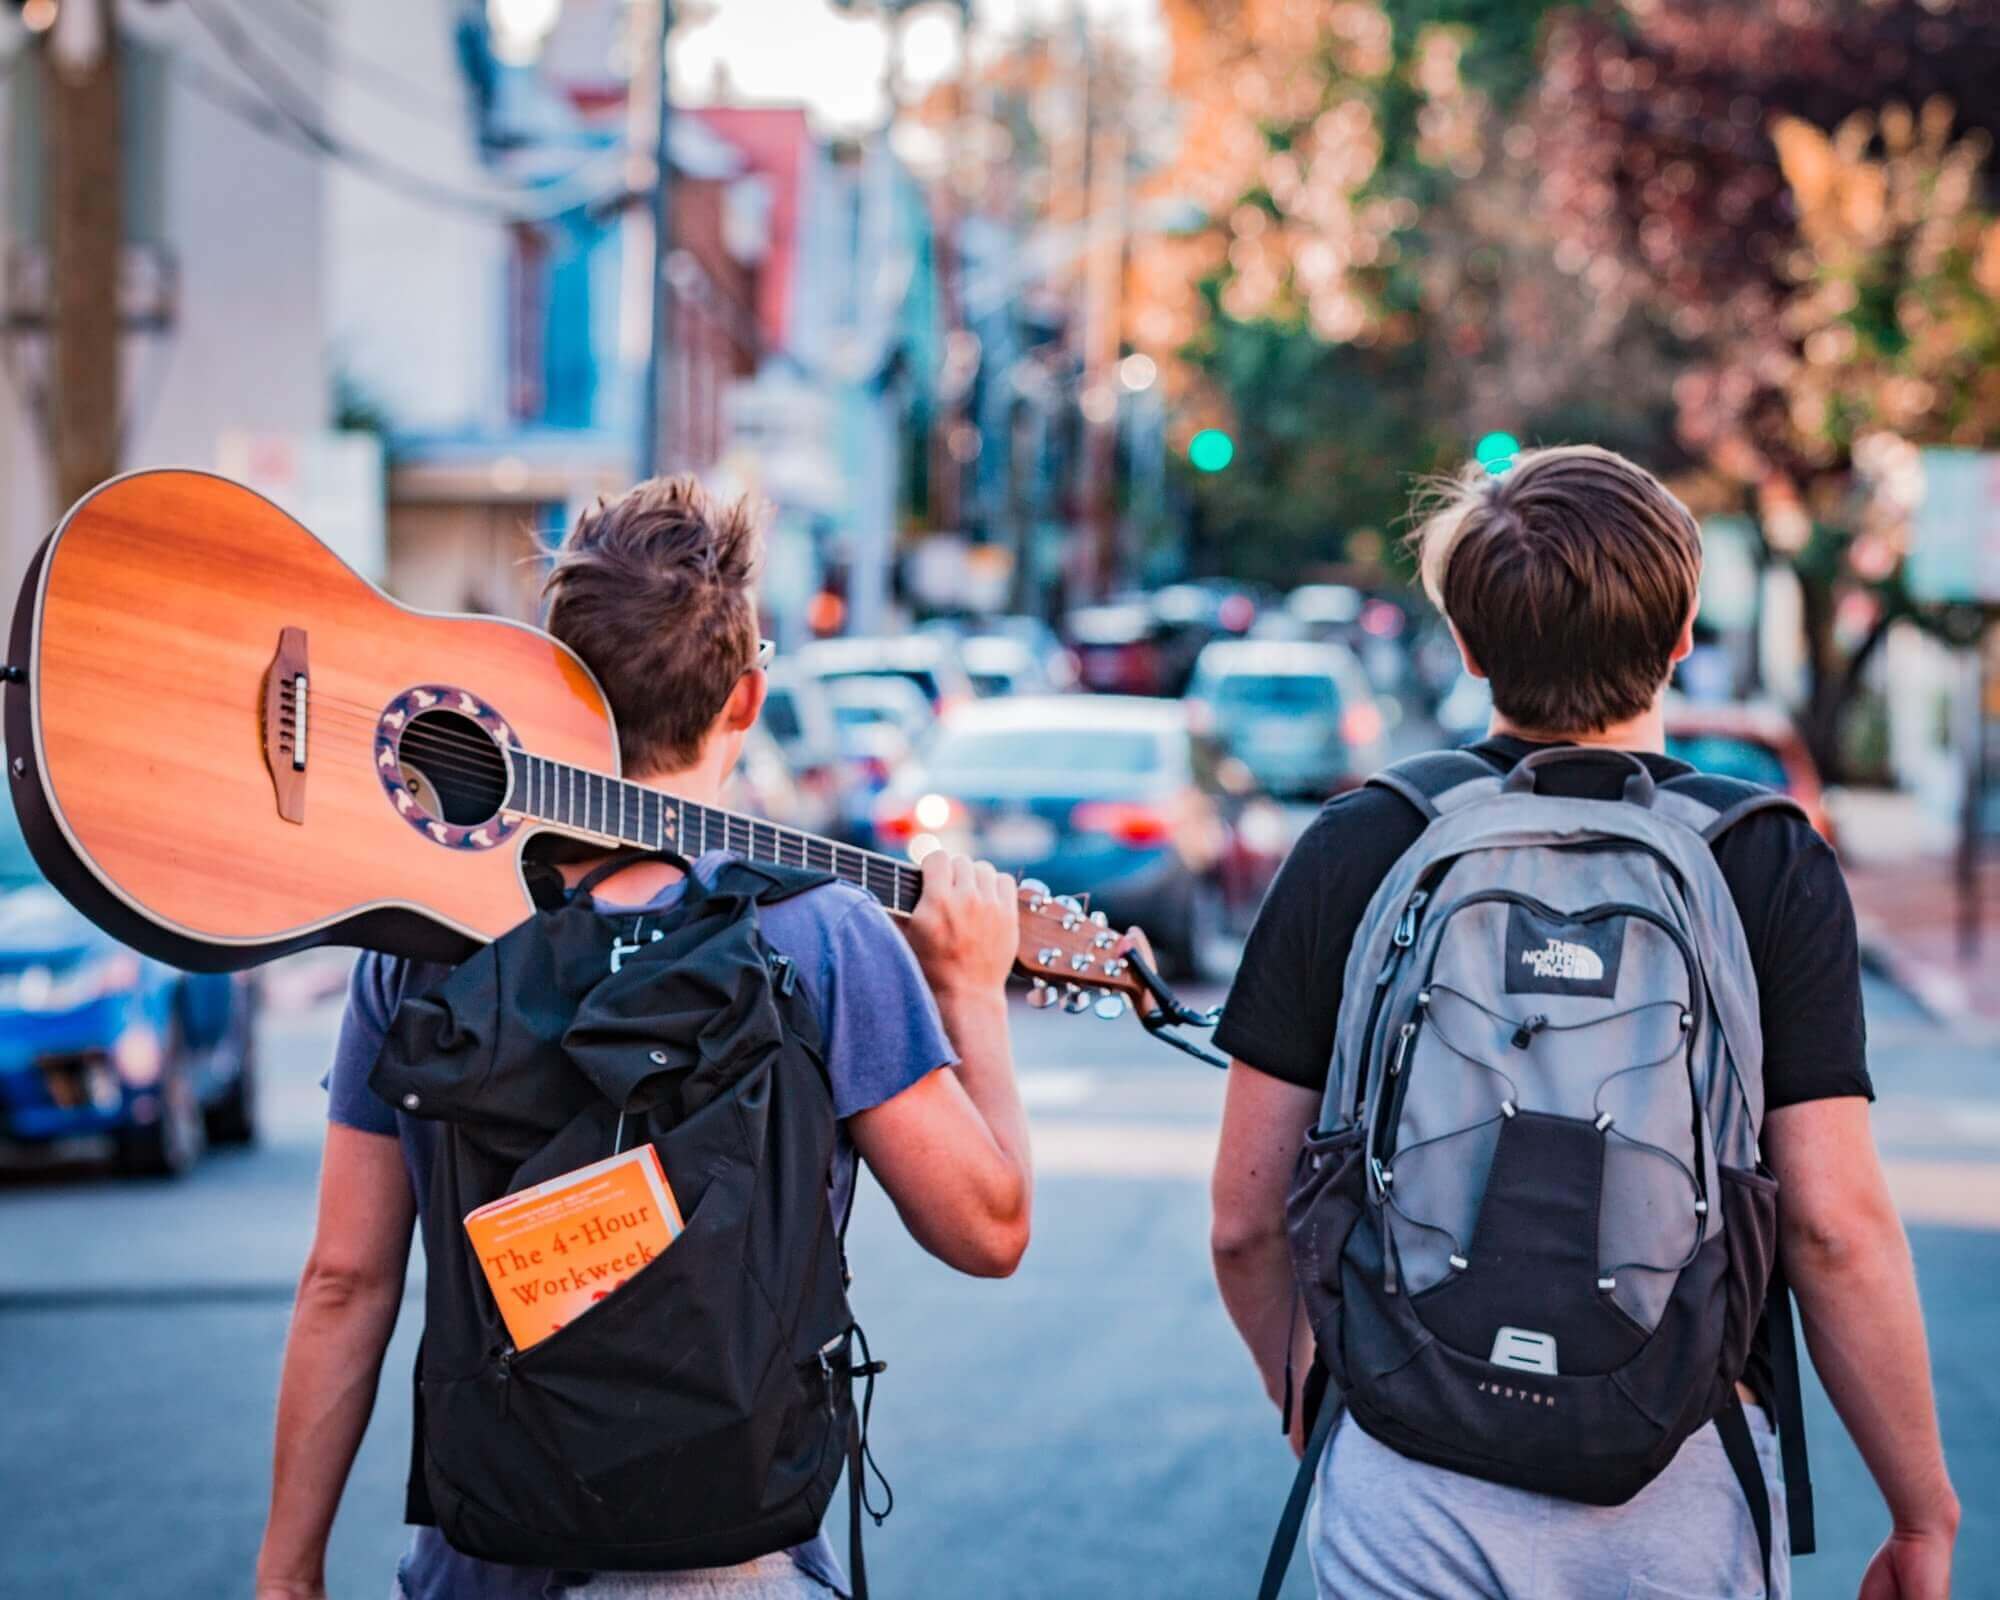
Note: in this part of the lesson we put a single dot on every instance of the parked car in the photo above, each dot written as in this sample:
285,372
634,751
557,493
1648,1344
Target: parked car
1053,663
928,660
998,664
1114,797
98,1041
762,784
1754,741
799,716
877,721
1116,648
1301,717
1329,611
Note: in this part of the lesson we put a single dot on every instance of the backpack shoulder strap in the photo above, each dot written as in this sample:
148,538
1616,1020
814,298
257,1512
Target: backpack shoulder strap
1712,805
764,883
1430,781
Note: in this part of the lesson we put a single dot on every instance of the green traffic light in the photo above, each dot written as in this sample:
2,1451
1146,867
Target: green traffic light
1496,452
1211,450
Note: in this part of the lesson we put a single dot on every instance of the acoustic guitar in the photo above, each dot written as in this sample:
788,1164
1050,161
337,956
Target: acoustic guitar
224,744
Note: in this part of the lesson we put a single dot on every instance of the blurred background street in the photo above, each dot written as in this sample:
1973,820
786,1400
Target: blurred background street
1089,1427
1084,355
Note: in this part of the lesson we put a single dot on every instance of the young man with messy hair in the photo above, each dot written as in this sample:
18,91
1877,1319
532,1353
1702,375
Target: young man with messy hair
654,591
1570,583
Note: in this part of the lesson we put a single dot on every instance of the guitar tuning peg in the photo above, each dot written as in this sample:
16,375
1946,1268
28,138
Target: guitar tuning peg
1099,920
1075,1000
1041,996
1035,887
1070,903
1110,1006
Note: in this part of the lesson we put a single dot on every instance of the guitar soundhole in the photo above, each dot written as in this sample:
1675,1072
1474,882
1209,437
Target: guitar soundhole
441,754
453,767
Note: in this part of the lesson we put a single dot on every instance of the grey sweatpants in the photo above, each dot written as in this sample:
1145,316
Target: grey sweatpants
1384,1527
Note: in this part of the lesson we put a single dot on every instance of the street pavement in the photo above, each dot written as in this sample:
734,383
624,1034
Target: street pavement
1087,1428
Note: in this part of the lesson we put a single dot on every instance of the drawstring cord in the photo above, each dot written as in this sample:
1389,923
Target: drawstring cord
868,1370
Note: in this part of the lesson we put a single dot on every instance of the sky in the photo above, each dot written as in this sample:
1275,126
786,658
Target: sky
807,51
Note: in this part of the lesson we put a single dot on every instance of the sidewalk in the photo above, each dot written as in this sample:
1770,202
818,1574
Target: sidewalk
1902,875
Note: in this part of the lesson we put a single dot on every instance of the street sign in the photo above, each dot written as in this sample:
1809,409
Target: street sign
1955,534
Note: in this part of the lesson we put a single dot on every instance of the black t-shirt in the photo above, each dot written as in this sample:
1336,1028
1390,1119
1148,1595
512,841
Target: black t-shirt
1787,886
1797,920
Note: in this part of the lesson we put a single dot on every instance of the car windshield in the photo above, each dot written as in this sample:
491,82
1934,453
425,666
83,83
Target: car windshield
925,680
1728,756
781,714
1096,752
1289,692
862,713
17,866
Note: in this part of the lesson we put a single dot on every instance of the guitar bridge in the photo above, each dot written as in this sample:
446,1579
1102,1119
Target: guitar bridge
285,723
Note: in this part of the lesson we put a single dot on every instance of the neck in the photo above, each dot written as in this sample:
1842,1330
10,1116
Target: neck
1645,732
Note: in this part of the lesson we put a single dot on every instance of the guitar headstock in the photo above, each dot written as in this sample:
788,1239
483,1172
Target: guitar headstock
1065,953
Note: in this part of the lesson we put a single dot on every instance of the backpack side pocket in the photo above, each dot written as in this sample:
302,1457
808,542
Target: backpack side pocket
1750,1235
1320,1213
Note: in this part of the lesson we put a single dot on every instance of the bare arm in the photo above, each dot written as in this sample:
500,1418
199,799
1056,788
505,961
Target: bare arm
1264,1121
1849,1264
952,1149
346,1310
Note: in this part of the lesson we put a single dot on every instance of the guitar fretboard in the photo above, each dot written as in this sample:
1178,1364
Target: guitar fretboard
630,813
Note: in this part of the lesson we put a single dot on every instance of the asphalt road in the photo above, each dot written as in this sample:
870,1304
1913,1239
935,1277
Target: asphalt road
1087,1428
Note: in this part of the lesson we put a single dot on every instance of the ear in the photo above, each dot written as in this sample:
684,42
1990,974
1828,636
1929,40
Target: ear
1464,653
1684,645
745,703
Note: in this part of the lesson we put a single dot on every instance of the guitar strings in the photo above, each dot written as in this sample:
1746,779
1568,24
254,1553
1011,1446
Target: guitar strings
454,753
844,859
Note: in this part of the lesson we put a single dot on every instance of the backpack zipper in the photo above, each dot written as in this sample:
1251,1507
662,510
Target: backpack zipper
1395,1087
1400,943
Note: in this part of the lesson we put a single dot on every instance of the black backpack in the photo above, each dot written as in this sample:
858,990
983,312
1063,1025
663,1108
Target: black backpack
699,1416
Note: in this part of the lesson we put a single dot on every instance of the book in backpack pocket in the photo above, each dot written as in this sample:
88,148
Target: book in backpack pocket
552,1252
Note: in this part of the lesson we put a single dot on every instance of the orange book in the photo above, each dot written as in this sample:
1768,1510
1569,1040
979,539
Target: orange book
553,1251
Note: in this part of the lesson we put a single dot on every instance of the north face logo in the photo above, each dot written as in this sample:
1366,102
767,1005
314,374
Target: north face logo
1563,955
1561,959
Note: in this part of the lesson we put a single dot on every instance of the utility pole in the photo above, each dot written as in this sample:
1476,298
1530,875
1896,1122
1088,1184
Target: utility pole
79,80
656,414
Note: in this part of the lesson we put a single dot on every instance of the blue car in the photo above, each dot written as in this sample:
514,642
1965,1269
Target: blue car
96,1040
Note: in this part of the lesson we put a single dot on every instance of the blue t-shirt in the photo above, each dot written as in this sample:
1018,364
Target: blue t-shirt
881,1033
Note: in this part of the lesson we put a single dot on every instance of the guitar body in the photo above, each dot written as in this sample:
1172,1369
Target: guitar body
204,752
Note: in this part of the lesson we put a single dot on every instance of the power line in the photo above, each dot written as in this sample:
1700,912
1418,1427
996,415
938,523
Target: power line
282,95
310,30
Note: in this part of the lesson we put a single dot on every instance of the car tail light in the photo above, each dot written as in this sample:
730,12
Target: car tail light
1381,619
1361,724
929,813
1124,821
897,824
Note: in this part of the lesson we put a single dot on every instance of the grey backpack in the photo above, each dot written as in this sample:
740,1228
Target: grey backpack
1530,1228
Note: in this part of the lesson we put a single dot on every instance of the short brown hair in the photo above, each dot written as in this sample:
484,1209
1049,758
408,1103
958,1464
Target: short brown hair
653,591
1570,576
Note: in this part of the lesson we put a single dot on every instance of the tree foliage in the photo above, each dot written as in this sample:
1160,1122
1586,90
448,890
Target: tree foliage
1750,243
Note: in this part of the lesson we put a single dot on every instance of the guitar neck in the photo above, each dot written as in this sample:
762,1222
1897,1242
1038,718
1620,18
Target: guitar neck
597,806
